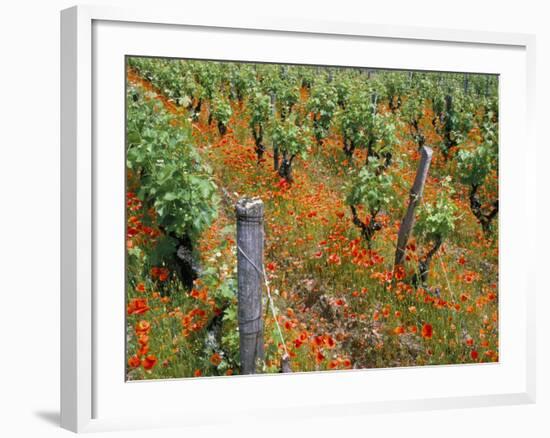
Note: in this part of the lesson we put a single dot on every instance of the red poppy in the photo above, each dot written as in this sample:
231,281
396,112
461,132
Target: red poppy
474,355
334,259
319,357
134,361
163,274
149,362
197,373
137,306
427,331
155,272
318,340
143,340
399,273
143,350
283,183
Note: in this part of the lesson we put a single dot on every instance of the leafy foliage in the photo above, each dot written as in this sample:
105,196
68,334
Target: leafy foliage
371,188
323,103
474,165
436,221
362,126
293,140
221,112
172,179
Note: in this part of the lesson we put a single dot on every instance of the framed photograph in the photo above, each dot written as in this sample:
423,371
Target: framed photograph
261,208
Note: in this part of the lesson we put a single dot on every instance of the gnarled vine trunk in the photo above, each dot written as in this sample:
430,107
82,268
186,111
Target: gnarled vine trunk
259,148
448,139
424,264
222,128
285,167
349,147
187,268
367,229
485,219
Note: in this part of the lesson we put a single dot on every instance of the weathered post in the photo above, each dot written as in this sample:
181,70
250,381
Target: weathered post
414,199
250,245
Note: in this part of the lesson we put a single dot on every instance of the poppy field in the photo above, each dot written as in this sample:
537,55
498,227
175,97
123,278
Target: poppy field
333,154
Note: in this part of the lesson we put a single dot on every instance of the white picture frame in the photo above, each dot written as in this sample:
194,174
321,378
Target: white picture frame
87,400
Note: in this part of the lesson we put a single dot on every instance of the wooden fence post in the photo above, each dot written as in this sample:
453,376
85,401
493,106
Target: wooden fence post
414,199
250,246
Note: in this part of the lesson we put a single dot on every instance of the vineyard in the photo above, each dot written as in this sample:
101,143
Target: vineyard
380,216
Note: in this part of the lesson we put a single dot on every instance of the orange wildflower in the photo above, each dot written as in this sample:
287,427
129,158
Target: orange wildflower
215,359
399,330
143,327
